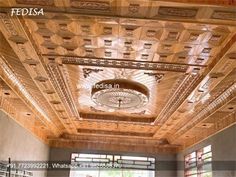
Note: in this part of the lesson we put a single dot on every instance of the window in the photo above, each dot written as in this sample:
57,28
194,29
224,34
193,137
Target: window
103,165
199,163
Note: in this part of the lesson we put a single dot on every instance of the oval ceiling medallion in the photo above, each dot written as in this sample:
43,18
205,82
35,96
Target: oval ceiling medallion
120,94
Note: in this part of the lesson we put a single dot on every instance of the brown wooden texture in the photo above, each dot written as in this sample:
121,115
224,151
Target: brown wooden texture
184,52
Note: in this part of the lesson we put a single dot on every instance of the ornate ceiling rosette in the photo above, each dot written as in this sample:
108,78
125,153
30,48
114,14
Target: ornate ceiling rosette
120,94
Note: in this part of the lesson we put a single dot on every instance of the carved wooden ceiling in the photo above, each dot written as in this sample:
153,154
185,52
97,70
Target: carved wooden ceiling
183,52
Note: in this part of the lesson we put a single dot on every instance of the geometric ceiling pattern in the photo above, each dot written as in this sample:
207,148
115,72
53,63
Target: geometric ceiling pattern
182,52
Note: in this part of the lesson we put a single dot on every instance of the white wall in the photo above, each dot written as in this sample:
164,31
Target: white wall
20,145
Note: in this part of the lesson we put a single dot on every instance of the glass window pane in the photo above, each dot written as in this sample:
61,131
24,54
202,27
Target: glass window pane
207,149
133,158
100,162
198,163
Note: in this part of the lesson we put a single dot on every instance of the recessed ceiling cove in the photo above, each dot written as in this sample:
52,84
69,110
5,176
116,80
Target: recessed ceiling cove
120,94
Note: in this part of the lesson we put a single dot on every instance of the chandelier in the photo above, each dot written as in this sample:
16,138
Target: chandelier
120,94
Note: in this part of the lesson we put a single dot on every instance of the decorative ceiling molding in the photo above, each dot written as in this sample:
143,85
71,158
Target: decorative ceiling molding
116,63
7,73
26,52
220,101
112,133
116,140
224,15
158,76
220,63
62,88
88,71
205,2
107,117
105,143
177,12
108,147
11,79
139,113
186,87
89,5
154,10
219,125
95,110
36,2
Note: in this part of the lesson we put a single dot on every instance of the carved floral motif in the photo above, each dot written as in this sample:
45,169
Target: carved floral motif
88,71
178,12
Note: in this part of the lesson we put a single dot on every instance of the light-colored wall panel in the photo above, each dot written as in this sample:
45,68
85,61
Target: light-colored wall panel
20,145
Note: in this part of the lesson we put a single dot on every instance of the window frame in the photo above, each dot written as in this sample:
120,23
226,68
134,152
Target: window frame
199,162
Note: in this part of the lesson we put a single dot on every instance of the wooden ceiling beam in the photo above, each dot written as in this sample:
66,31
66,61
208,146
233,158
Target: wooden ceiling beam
112,147
222,64
202,12
62,88
205,19
204,2
226,97
8,76
113,139
115,133
126,119
126,64
200,133
20,41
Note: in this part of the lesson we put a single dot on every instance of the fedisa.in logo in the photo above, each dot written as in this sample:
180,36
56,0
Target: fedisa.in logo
27,11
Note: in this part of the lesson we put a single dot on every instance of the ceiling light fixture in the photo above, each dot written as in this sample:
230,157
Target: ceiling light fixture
120,94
